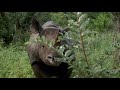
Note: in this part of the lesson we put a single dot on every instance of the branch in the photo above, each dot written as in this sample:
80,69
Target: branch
82,43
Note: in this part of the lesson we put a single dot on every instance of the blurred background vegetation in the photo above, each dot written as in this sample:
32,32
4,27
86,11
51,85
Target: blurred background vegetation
95,36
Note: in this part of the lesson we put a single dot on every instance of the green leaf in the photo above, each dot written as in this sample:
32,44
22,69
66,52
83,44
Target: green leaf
84,24
71,57
27,43
67,53
50,43
60,38
61,49
43,39
82,18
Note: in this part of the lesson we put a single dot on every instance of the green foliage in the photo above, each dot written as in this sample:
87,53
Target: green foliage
59,18
101,59
8,28
43,16
102,52
101,21
99,49
14,63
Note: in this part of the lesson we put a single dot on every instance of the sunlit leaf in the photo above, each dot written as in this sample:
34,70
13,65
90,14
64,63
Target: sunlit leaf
67,53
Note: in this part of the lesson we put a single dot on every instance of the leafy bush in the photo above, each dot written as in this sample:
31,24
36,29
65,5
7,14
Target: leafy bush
99,48
101,21
93,30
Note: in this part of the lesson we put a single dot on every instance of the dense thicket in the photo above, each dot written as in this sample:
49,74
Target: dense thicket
95,36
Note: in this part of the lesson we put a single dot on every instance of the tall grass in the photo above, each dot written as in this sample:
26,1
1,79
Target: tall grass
14,63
